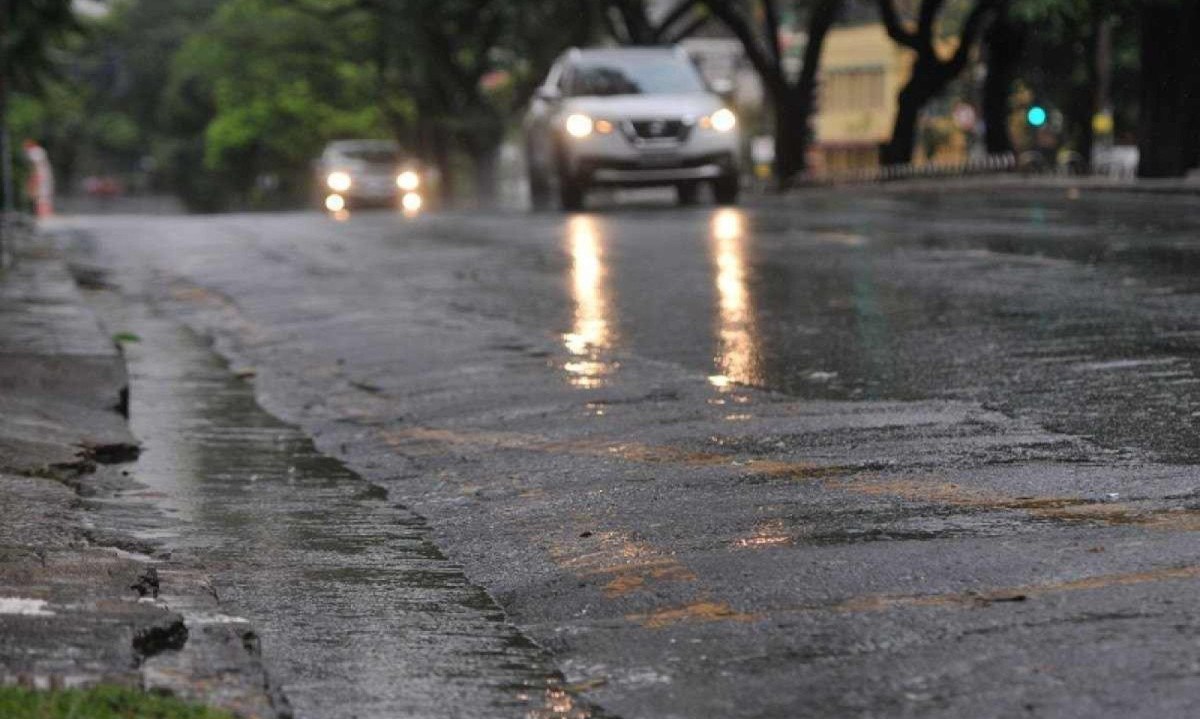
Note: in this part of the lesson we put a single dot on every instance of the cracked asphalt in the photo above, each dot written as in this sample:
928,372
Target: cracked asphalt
848,454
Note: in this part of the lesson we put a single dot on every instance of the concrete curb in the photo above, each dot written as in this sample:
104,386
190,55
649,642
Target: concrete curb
82,602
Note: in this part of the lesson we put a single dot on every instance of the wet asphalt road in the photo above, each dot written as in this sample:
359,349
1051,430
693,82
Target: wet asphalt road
849,455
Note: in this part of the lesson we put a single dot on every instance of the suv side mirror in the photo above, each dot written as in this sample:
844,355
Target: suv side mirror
547,94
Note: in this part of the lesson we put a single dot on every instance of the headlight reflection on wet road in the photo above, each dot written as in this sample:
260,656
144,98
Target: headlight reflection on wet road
591,329
736,359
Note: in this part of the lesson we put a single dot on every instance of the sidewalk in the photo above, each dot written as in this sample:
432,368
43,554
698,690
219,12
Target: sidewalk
1016,181
83,603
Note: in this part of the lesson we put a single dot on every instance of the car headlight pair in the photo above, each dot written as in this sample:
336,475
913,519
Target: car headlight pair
580,126
340,181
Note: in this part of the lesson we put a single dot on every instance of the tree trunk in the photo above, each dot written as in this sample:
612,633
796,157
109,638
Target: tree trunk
1163,125
1191,90
1004,41
899,150
791,139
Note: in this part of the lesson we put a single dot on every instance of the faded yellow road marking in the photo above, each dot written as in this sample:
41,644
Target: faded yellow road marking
880,602
696,612
632,564
843,478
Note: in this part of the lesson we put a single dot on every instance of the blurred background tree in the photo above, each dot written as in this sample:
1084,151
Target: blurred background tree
225,103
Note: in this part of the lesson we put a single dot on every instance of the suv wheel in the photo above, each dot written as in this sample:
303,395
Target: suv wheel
571,193
726,188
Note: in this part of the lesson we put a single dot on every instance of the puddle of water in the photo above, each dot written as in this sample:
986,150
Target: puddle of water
360,614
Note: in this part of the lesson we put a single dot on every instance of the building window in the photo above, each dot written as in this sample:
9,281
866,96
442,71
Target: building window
852,89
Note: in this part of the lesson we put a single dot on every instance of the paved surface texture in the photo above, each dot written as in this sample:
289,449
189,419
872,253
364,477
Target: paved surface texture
362,614
82,601
852,455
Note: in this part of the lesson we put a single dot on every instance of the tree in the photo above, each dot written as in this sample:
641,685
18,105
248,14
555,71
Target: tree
463,42
452,74
931,73
792,99
1169,122
272,86
1004,43
1067,60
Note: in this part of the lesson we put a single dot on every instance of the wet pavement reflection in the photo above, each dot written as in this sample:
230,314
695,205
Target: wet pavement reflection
737,353
1048,305
361,615
591,334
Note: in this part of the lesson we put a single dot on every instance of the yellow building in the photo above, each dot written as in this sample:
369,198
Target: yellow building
862,71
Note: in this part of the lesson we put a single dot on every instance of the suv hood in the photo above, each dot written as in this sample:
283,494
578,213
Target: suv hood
633,107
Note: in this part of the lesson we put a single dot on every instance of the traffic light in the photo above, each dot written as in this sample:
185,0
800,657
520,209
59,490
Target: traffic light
1036,116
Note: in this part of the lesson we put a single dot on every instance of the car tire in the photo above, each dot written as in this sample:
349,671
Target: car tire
571,194
726,189
687,193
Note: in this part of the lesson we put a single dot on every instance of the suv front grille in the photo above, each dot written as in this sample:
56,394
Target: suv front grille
664,129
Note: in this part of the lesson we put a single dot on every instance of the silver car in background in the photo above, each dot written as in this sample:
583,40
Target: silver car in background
629,117
367,172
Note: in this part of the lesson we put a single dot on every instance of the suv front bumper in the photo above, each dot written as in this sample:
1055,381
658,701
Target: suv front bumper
651,170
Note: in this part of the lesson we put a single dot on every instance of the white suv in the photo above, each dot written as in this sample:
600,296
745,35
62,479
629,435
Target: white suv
629,117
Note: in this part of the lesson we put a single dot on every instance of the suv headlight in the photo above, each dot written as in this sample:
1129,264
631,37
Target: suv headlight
408,180
722,120
579,126
338,181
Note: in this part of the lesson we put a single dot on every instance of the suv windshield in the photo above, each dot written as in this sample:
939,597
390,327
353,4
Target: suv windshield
374,156
634,75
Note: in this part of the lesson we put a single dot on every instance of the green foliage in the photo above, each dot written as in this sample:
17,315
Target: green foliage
32,29
267,86
98,703
1059,48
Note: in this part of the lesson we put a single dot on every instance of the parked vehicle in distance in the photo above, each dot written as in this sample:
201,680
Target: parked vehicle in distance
629,117
367,172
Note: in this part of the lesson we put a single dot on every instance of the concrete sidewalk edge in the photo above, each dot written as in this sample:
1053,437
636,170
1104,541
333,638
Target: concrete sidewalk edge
83,601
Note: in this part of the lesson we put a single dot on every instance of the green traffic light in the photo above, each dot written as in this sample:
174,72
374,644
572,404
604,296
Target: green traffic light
1036,116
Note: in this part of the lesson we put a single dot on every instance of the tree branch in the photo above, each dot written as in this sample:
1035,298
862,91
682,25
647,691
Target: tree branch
771,28
695,24
637,25
970,33
620,32
926,17
895,27
677,13
764,63
820,21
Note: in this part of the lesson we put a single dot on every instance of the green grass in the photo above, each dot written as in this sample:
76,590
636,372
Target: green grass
98,703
